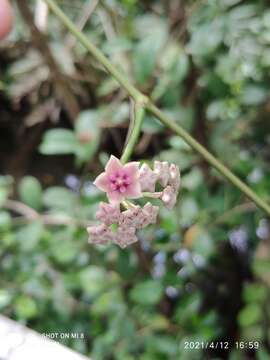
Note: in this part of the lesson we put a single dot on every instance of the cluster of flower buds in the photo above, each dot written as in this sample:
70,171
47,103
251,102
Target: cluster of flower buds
129,181
168,176
120,227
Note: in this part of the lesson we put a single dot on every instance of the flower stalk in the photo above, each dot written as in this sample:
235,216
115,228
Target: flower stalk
134,131
148,105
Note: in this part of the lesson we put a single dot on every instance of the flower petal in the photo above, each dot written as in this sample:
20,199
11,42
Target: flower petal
132,169
115,197
113,166
134,191
102,182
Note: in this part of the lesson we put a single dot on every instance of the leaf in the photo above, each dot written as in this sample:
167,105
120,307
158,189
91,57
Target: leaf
151,125
188,210
29,235
144,60
64,249
5,221
207,37
200,241
188,305
175,63
254,95
255,293
63,57
193,179
59,198
30,192
147,293
5,298
250,315
58,141
163,344
87,123
93,280
5,186
25,307
107,303
146,52
87,132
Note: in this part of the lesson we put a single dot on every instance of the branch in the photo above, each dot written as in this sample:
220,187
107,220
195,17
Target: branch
26,211
28,214
140,98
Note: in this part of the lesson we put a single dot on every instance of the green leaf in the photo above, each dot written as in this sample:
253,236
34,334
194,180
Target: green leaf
58,141
175,63
144,60
255,293
64,248
93,280
147,293
3,195
163,344
59,198
188,305
254,95
151,125
5,221
207,37
5,298
87,132
193,179
5,186
107,302
87,123
202,242
29,235
250,315
30,192
25,307
145,54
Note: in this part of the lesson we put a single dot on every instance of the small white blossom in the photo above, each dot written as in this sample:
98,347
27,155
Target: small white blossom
169,196
108,213
151,214
175,179
148,178
139,217
131,217
162,171
125,236
99,234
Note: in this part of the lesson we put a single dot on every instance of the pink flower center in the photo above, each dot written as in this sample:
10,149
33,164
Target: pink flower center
119,182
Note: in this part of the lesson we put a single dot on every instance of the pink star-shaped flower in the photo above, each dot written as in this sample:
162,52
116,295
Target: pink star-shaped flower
120,181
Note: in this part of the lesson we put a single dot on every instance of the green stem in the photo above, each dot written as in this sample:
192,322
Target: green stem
134,132
153,195
209,158
139,98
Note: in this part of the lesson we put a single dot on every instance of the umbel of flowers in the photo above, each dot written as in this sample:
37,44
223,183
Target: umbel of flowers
119,218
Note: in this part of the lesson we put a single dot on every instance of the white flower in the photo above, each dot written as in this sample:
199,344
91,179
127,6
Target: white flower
161,169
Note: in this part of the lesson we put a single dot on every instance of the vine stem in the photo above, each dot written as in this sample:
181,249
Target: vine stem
134,132
139,98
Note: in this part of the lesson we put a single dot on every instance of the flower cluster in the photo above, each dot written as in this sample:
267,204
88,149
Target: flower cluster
120,227
122,182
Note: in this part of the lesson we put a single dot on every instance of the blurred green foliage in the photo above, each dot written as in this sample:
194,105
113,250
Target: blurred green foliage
202,273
